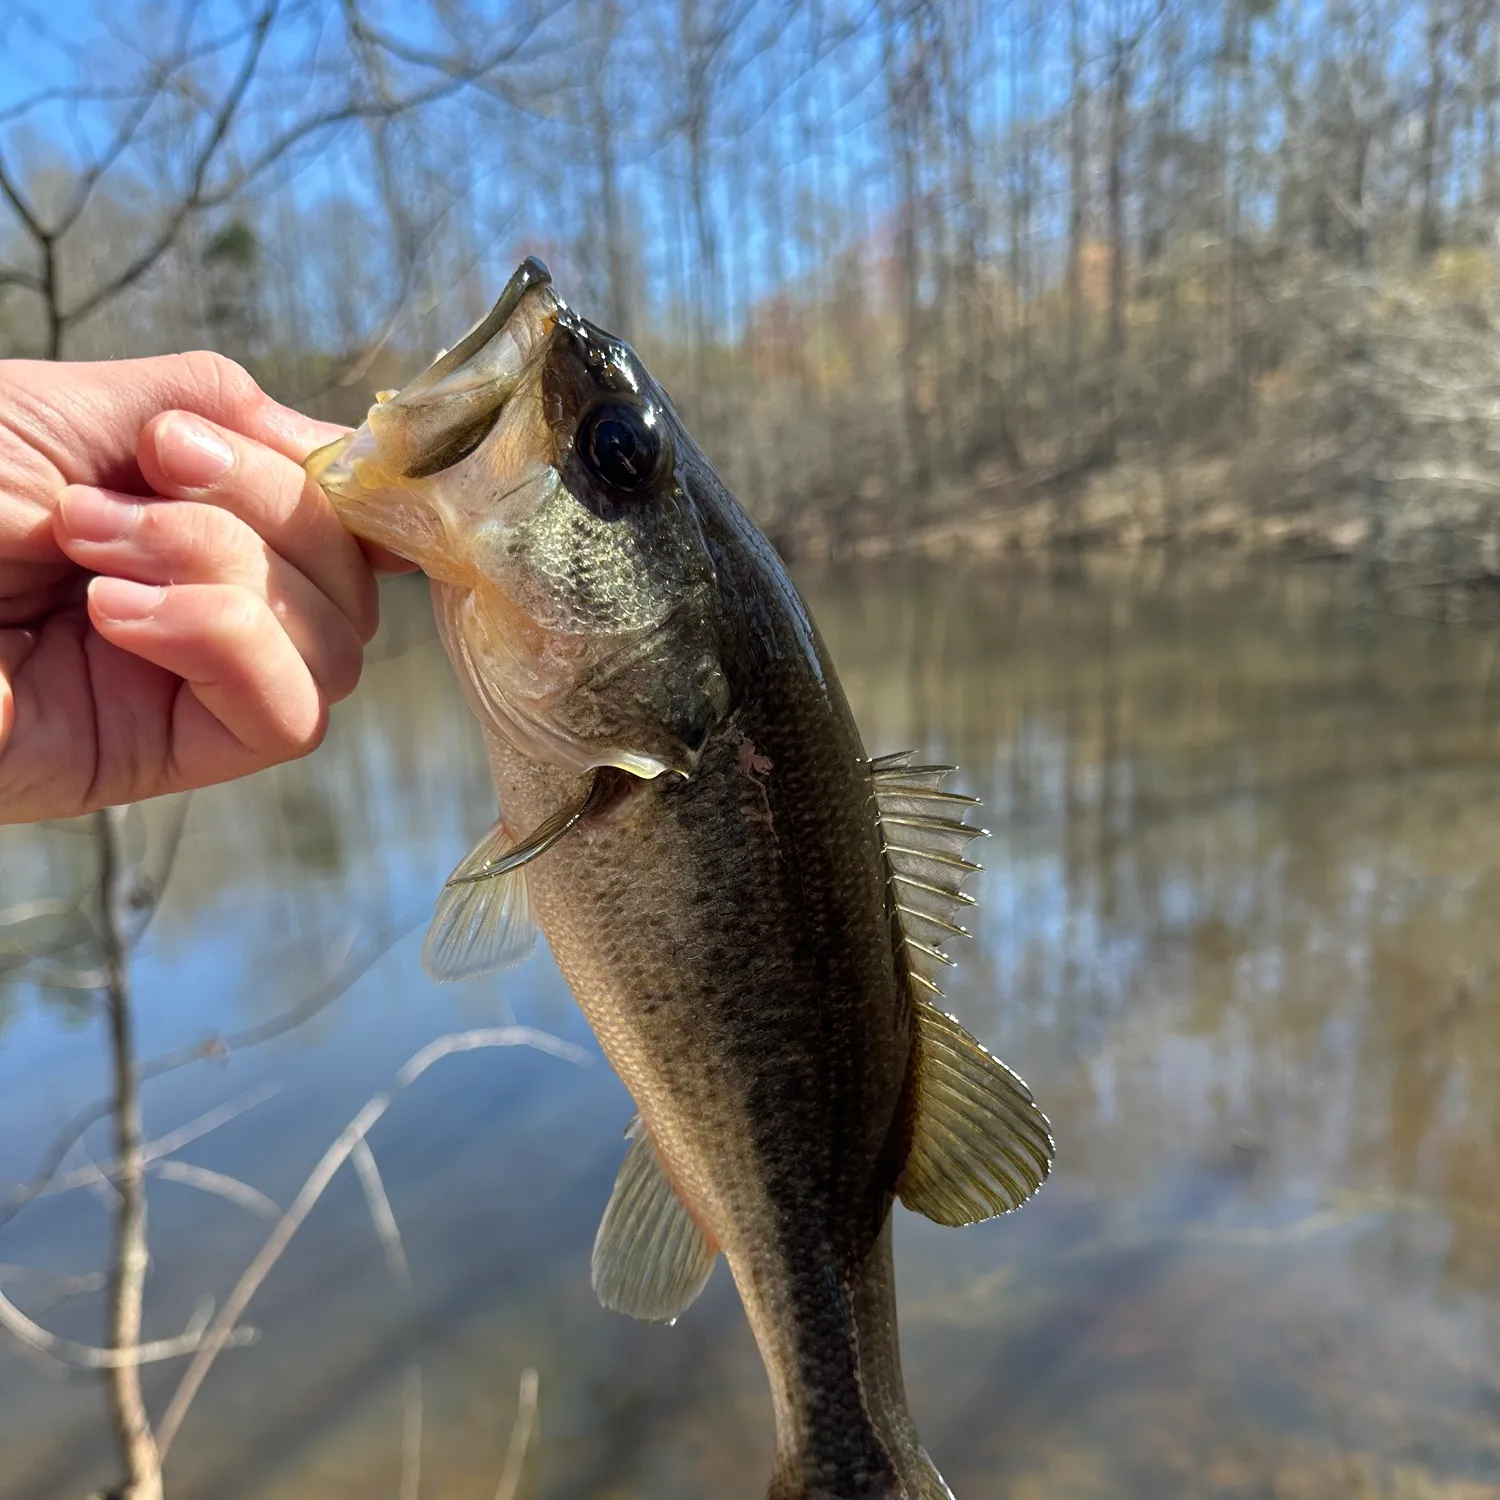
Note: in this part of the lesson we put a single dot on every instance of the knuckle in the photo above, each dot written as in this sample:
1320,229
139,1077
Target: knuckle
225,385
345,662
304,737
190,532
241,617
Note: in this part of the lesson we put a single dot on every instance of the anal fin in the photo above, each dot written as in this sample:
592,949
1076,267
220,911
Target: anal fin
650,1259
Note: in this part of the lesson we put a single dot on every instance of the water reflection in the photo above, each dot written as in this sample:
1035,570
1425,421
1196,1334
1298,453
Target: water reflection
1236,928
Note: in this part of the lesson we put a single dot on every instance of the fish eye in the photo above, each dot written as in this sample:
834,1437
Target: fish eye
621,445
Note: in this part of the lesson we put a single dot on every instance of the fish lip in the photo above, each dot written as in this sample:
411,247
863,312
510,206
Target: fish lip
322,466
531,273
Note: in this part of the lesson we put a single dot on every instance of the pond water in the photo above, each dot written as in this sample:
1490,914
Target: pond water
1237,928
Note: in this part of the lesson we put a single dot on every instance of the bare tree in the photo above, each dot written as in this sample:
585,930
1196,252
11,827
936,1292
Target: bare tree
198,96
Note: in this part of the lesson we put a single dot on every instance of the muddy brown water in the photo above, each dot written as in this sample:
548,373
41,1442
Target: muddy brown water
1238,928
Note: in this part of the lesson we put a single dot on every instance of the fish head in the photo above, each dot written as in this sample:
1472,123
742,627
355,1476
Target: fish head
535,473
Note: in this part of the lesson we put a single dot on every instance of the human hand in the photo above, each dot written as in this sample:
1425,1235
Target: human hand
228,607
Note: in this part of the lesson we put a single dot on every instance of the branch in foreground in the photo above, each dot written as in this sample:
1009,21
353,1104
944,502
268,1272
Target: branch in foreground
127,1288
520,1436
165,1145
249,1198
411,1437
313,1189
346,973
90,1357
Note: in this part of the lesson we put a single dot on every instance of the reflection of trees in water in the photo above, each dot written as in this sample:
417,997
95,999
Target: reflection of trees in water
1240,898
1211,771
1234,931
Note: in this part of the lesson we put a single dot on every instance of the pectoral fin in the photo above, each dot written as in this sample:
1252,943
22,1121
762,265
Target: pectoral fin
483,920
650,1259
480,925
980,1146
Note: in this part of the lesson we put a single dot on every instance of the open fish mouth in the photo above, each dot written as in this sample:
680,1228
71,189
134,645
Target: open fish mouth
439,418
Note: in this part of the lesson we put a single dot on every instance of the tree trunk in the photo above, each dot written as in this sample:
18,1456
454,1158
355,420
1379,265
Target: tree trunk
1119,103
1429,233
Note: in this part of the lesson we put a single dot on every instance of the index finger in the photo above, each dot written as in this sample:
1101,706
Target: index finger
85,418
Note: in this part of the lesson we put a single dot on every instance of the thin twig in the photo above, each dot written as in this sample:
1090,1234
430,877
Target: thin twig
520,1436
206,1181
411,1437
315,1186
346,973
381,1212
131,1257
166,1145
89,1357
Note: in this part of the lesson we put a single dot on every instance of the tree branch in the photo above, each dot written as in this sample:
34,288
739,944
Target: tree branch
249,1198
89,1357
345,975
193,199
131,1258
312,1190
520,1436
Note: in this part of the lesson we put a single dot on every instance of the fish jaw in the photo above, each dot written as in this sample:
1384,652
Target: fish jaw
392,481
376,506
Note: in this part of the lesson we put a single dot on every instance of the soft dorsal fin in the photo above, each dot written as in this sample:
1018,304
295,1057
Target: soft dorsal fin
980,1146
483,919
650,1258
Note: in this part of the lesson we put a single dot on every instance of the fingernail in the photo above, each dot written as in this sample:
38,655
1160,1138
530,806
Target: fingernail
96,515
191,453
124,599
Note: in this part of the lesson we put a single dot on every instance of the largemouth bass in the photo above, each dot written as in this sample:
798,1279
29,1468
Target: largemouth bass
751,911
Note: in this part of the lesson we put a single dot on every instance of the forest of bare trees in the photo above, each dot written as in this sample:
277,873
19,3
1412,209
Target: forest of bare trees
916,270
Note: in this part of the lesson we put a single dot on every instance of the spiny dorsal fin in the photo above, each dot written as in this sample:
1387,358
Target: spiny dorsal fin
980,1146
925,837
650,1259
